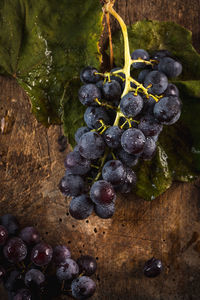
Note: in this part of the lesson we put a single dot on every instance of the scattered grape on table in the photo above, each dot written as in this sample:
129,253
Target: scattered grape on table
31,269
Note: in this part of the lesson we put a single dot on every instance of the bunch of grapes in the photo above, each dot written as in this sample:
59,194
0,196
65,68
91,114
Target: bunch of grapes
31,269
124,118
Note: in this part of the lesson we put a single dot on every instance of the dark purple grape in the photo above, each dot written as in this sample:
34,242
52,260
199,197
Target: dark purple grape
83,288
14,281
133,141
152,267
160,54
41,254
114,172
2,273
15,250
167,110
112,136
102,193
143,74
72,185
88,75
99,84
29,235
92,116
149,149
149,126
131,104
60,254
171,90
139,53
105,212
129,182
158,82
23,294
3,235
34,277
68,271
91,145
129,160
80,131
10,223
87,265
81,207
88,94
111,90
77,164
170,67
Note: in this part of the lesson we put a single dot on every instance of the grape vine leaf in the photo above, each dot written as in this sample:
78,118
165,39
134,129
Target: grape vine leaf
178,153
44,44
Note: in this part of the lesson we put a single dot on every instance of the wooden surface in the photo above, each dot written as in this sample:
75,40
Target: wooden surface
167,228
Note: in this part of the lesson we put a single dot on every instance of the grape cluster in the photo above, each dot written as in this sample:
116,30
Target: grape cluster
124,118
31,269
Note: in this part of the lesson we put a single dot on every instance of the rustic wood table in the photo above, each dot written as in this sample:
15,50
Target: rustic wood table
167,228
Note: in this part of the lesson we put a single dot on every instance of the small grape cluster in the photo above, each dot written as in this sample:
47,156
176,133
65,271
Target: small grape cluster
124,118
31,269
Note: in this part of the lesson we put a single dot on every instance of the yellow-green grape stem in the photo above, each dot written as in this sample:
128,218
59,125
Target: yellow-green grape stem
103,159
105,104
140,60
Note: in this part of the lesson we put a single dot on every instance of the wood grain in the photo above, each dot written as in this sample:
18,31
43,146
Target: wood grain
168,228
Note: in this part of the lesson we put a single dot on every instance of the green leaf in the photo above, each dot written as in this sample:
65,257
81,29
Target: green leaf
178,154
44,44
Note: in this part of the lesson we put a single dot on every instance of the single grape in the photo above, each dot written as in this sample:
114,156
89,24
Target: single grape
93,114
112,136
131,104
80,131
160,54
10,223
149,149
34,277
139,53
15,250
14,281
99,84
128,183
171,90
3,235
88,75
87,265
88,93
114,172
77,164
167,110
23,294
81,207
102,193
170,67
130,160
68,271
60,254
83,288
91,145
157,81
105,212
41,254
72,185
142,75
29,235
133,141
152,267
2,273
149,126
111,90
148,105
